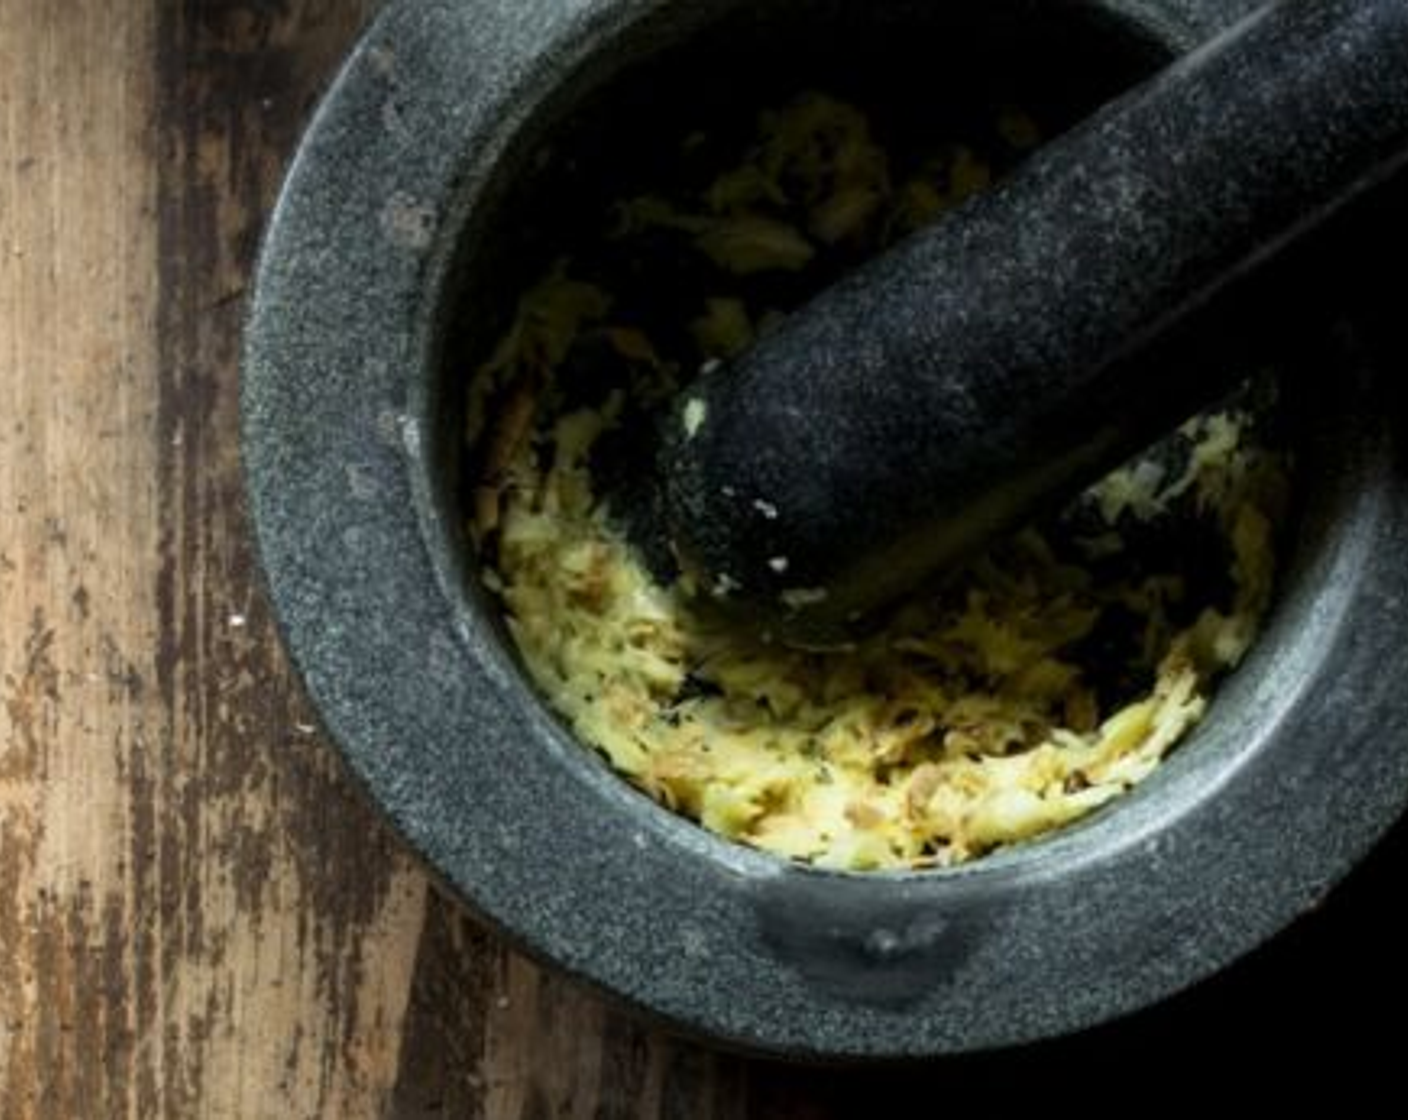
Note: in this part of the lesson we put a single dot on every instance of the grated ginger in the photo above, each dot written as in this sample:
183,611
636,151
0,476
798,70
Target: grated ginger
986,713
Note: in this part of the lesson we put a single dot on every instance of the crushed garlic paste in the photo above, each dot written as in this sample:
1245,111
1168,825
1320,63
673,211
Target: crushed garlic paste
1049,677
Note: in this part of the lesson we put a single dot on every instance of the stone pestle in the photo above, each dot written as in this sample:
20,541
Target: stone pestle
994,364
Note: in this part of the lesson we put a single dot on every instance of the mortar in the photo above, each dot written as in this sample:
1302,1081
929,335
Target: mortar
416,210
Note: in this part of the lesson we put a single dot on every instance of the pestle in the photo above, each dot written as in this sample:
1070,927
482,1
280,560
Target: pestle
994,364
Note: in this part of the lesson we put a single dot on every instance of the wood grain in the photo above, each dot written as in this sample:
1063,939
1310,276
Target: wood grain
79,501
208,922
198,916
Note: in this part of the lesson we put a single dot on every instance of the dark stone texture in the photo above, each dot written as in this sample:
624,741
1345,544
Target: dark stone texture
348,441
992,366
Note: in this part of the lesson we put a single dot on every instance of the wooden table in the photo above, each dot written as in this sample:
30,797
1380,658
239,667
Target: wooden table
198,916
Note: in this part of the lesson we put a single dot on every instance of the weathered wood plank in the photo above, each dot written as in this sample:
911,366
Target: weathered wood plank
289,917
198,916
78,515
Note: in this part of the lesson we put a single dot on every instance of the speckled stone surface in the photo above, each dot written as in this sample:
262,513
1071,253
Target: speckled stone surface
1301,765
993,365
